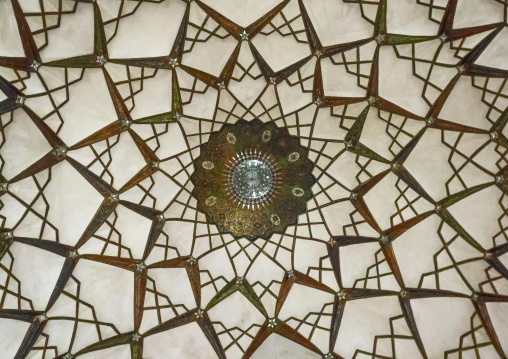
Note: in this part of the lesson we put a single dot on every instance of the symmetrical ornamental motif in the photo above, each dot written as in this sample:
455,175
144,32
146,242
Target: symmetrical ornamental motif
252,179
108,107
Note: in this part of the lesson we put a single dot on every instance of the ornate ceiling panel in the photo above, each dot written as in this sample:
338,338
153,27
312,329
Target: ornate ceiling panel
360,145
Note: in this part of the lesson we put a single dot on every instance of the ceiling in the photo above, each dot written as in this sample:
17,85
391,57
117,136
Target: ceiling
401,251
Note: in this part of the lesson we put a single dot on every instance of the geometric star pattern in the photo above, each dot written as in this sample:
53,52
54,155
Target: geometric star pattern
402,251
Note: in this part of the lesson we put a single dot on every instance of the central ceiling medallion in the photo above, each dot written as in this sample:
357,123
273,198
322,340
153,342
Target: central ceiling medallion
252,179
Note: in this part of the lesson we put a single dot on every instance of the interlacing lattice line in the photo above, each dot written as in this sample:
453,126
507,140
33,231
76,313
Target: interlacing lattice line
64,8
476,334
104,158
491,96
446,252
493,277
405,205
356,68
8,289
379,339
26,219
288,24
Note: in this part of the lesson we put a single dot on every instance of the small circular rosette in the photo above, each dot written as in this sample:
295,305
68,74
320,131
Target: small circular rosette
252,179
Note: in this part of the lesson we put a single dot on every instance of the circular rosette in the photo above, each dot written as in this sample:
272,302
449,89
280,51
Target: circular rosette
252,179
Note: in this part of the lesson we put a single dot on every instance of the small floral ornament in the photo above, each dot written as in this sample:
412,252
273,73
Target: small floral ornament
260,182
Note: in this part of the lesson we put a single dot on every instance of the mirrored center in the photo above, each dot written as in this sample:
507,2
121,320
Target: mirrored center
252,178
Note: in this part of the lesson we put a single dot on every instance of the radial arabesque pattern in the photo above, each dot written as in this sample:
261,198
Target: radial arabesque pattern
225,203
402,251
